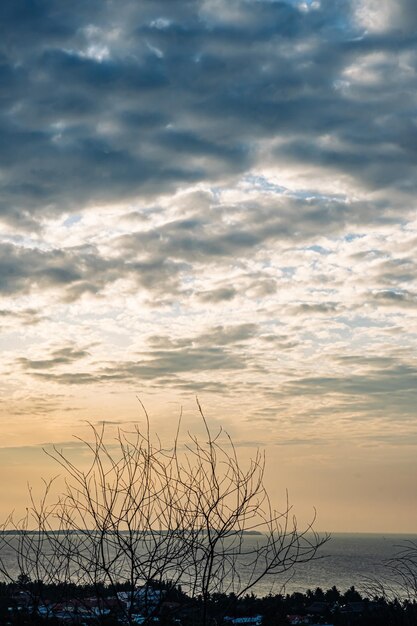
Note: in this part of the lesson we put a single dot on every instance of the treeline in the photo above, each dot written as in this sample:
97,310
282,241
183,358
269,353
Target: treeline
25,602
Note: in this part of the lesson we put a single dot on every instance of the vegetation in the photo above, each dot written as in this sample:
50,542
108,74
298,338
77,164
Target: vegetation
401,578
143,515
72,604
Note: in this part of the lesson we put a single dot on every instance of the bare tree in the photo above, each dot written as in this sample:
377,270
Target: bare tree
404,569
400,581
147,516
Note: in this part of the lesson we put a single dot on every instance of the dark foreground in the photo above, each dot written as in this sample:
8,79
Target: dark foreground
31,603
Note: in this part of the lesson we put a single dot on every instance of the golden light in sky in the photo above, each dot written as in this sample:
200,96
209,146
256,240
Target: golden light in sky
215,198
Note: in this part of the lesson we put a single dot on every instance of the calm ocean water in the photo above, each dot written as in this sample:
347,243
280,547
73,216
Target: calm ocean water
346,560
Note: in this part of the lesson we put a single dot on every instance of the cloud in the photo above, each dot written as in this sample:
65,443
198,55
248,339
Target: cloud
75,271
397,298
62,356
323,307
100,103
300,441
218,349
387,15
162,366
383,387
28,317
218,295
212,196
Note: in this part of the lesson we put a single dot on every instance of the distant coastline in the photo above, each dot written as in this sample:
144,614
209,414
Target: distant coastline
75,532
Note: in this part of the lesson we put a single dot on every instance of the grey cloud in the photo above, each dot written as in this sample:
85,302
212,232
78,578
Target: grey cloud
379,362
37,406
321,307
62,356
375,166
216,336
403,16
27,317
207,386
227,231
367,254
78,270
218,349
281,342
396,271
72,378
222,294
250,284
157,365
401,378
387,388
395,297
22,269
224,335
178,96
162,258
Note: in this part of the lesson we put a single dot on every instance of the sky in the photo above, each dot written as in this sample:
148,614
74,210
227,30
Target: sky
215,198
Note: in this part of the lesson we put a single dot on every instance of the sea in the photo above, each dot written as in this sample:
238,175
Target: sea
346,560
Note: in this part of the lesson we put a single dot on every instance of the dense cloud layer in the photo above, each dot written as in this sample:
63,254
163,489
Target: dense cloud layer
105,101
212,196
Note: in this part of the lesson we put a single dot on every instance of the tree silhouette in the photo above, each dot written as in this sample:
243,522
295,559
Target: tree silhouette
151,518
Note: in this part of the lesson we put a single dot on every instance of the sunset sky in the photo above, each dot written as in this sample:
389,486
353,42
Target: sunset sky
215,198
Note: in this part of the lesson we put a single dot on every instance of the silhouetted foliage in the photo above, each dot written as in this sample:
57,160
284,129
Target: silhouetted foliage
145,515
401,578
179,608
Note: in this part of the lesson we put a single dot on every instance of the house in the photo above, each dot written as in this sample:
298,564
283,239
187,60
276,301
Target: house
255,620
298,620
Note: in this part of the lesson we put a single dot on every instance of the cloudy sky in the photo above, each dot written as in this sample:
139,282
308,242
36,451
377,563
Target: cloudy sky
215,198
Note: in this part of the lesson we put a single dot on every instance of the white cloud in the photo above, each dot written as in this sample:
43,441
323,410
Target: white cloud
242,227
